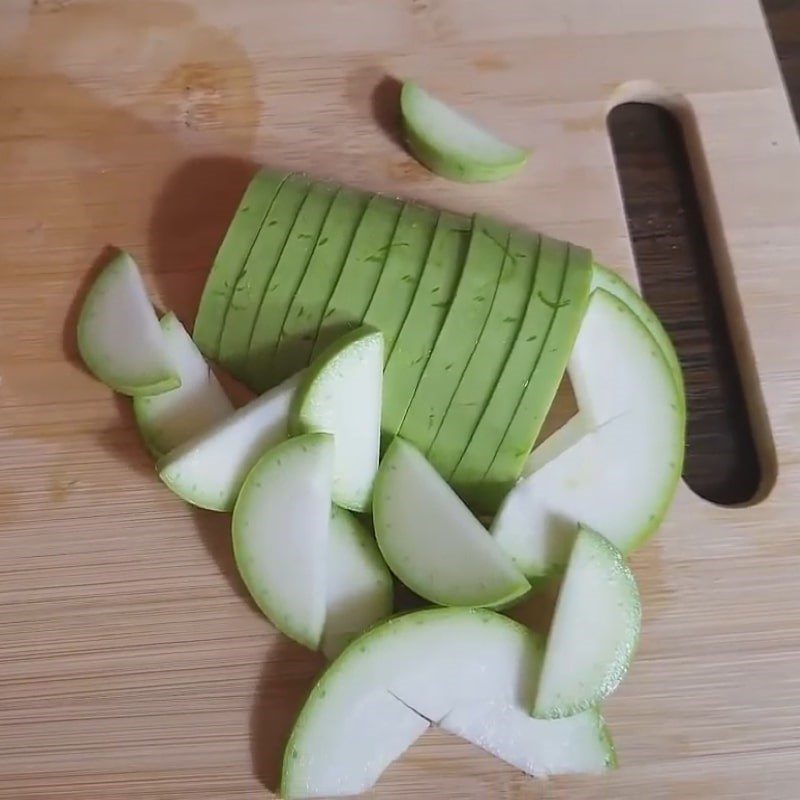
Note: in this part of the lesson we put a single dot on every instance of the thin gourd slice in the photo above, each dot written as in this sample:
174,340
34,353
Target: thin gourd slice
543,382
428,311
330,757
611,282
254,278
283,283
490,355
304,316
461,331
401,273
580,744
119,337
359,589
209,470
198,404
450,144
431,540
231,258
594,631
549,258
362,269
426,662
341,395
616,465
280,533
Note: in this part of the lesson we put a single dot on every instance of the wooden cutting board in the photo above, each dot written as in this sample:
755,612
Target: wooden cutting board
131,664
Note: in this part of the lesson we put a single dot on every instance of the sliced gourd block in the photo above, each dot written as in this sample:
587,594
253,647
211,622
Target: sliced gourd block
549,258
304,316
284,282
280,534
428,311
231,258
172,418
119,337
397,284
543,382
254,278
431,540
486,363
462,329
360,274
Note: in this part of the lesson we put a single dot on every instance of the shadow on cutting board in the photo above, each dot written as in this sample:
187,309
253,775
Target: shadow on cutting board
189,219
197,91
285,682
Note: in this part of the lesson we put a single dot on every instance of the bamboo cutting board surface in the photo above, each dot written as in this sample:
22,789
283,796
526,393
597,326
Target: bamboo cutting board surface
131,664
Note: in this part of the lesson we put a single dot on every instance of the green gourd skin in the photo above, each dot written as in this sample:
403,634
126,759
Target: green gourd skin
231,258
417,338
254,278
477,318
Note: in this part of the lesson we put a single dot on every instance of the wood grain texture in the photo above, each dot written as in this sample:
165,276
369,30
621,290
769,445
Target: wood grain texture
131,665
677,274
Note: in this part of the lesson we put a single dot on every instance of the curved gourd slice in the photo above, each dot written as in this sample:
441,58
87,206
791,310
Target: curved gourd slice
450,144
119,337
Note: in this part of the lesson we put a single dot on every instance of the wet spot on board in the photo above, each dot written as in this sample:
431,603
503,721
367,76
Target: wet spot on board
49,6
407,170
202,95
584,124
490,62
60,486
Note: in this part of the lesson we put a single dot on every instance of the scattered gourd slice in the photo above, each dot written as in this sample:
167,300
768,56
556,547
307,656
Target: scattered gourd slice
594,631
209,470
359,584
119,337
172,418
611,282
580,744
617,467
329,756
280,534
431,540
357,719
341,395
450,144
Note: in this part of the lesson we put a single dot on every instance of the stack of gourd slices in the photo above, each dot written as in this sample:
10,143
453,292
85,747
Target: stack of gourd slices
478,320
356,349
